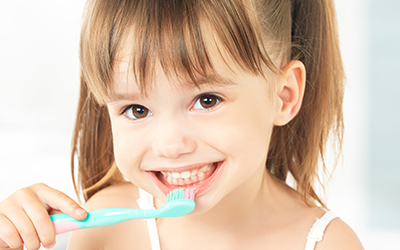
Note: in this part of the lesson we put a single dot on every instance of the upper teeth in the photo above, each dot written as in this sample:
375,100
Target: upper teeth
188,174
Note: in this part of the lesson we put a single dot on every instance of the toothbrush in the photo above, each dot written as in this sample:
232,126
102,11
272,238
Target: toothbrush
179,202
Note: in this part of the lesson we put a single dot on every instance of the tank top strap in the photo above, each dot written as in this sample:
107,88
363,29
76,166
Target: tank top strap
146,201
317,230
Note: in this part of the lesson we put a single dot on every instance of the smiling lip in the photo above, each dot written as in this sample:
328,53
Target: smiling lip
211,170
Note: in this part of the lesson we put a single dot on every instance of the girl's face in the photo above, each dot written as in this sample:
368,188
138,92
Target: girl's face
213,139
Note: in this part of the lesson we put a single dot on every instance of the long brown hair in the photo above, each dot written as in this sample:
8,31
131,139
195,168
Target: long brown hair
260,35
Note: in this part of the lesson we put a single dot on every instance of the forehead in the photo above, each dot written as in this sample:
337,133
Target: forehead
200,42
126,83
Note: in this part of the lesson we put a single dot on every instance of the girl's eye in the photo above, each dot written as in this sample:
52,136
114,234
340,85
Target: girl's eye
135,112
207,101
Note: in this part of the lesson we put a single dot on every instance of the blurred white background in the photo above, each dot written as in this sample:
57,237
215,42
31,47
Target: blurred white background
39,78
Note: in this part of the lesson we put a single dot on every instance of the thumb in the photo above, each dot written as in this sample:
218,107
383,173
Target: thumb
57,202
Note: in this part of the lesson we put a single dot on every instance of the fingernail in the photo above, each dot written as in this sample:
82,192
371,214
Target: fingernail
79,211
51,246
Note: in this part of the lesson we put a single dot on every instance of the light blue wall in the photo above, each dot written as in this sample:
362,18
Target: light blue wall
384,114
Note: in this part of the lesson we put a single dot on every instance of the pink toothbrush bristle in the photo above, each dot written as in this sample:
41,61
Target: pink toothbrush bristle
189,193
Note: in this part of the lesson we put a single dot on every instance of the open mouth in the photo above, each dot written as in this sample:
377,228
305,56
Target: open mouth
198,178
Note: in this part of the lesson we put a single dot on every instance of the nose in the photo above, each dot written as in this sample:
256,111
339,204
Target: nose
173,139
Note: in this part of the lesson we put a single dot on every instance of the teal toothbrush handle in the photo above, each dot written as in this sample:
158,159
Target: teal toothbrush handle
99,218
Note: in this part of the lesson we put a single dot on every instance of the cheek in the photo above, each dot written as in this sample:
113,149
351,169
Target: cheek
242,131
126,151
250,137
249,142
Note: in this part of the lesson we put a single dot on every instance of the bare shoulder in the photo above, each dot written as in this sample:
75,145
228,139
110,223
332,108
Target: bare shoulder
339,235
120,236
118,195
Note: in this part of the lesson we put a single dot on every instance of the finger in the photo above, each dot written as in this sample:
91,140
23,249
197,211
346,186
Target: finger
42,223
58,200
18,248
29,212
25,228
9,236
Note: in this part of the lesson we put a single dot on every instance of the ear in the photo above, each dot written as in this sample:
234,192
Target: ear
290,92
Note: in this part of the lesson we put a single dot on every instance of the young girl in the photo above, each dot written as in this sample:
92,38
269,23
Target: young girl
228,97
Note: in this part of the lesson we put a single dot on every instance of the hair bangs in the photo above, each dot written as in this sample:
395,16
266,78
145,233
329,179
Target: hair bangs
183,38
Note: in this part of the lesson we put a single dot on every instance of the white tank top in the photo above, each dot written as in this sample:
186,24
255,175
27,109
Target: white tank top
315,234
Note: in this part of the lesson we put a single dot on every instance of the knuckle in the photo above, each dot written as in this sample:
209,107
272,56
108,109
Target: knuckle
38,186
5,205
47,237
41,218
60,195
21,193
26,231
10,233
18,246
33,246
13,239
65,201
47,240
14,247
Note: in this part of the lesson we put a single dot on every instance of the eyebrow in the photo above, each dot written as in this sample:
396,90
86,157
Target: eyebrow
211,81
215,80
123,96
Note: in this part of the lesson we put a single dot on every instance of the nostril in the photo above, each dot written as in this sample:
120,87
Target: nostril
169,151
173,150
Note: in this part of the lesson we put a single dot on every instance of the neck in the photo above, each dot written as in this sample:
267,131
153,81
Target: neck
243,206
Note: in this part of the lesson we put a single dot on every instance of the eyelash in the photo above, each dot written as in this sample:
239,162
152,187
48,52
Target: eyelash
126,109
212,95
197,99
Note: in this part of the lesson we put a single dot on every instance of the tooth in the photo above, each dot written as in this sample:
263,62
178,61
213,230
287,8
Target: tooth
176,175
203,169
209,167
194,172
201,174
169,179
202,177
185,174
164,173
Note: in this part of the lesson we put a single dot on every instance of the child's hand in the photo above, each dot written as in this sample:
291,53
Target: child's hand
24,217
